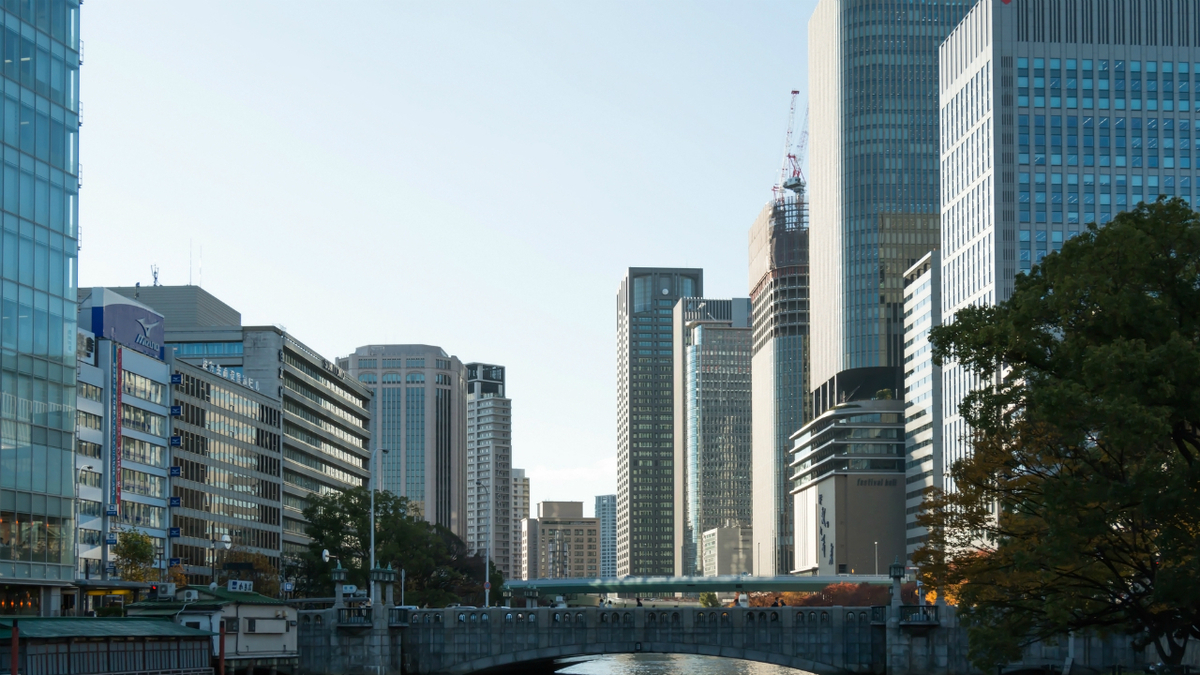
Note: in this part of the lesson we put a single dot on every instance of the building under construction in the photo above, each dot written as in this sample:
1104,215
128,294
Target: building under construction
779,284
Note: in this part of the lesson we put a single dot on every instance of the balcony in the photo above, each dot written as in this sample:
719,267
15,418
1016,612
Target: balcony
919,619
354,617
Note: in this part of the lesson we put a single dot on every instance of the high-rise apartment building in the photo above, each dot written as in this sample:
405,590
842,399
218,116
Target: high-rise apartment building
849,490
779,295
645,440
1054,116
726,550
606,513
922,393
38,263
121,459
562,543
420,408
712,422
520,511
489,465
326,414
873,68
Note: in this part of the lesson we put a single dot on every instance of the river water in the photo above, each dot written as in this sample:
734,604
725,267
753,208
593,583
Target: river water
673,664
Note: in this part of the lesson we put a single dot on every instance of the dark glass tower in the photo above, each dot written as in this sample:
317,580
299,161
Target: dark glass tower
873,69
38,253
645,438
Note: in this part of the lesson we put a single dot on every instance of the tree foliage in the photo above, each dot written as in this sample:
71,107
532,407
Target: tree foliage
134,552
264,575
1079,506
709,599
438,568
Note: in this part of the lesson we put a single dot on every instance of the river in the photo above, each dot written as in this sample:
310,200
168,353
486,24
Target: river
673,664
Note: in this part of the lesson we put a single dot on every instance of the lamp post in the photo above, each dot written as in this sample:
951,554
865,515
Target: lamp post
876,558
227,543
374,482
487,556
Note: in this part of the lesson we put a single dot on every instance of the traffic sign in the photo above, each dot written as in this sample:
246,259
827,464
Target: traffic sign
487,585
288,587
175,562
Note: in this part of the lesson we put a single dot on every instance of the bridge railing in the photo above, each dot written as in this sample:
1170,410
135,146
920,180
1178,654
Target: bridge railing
918,614
354,616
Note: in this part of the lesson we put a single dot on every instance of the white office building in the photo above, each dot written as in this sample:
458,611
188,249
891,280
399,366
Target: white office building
923,468
1054,115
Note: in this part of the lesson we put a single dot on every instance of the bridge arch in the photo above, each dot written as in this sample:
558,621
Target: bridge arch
820,640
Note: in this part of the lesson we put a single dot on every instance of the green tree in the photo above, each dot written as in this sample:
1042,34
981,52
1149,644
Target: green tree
134,552
439,570
264,575
708,599
1079,506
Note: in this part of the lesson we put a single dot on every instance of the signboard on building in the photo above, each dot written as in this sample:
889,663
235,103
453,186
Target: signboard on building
238,586
111,315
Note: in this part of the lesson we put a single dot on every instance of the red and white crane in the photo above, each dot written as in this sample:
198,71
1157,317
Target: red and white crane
791,176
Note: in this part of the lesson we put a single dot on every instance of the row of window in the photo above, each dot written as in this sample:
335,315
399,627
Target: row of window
1102,66
222,505
136,514
220,477
229,453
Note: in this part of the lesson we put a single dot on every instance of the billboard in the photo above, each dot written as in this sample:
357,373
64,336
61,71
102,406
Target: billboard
120,319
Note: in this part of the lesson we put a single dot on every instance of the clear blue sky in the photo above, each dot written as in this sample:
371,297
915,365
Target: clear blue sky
475,175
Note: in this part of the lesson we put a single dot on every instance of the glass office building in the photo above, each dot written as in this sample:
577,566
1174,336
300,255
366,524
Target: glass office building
645,427
873,69
1054,116
606,513
712,423
39,244
923,468
420,411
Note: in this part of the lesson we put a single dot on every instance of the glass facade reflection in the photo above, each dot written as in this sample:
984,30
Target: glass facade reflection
875,183
39,187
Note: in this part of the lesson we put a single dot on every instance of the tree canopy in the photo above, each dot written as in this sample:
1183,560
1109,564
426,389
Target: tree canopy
1079,506
438,568
134,552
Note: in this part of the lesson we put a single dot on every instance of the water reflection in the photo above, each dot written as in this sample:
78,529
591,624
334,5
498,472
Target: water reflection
674,664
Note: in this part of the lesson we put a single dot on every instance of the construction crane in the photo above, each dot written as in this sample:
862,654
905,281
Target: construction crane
791,177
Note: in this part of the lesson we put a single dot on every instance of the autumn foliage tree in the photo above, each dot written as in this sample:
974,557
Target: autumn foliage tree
1078,508
134,552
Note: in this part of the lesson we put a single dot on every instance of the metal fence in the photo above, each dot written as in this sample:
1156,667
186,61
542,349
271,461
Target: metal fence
110,657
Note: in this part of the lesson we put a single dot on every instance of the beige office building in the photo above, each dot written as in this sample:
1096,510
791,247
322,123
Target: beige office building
727,550
560,542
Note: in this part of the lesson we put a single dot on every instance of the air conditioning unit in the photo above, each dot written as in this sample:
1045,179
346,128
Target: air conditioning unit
164,591
191,596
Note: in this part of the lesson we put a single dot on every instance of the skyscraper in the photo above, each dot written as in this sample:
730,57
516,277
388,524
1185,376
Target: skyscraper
489,465
645,445
520,511
38,263
421,420
924,465
562,543
779,294
606,513
712,422
1054,116
873,74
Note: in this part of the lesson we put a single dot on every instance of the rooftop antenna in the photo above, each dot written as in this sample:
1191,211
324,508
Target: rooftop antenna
154,273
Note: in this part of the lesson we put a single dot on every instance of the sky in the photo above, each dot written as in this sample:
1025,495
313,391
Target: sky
472,175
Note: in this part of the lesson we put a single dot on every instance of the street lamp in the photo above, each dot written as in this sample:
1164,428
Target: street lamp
487,559
876,558
374,486
227,543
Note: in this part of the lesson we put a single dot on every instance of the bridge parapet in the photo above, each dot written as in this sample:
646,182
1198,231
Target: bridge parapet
817,639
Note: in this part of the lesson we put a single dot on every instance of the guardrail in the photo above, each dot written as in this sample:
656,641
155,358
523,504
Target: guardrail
354,616
918,614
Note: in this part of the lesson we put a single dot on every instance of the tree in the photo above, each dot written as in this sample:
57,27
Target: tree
134,552
439,569
1078,507
264,575
709,599
178,576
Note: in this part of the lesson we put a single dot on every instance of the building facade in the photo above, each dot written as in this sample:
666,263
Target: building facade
1054,116
121,459
875,188
38,279
645,426
726,550
326,421
779,296
420,408
924,467
562,543
227,444
712,422
606,513
848,472
520,511
489,465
